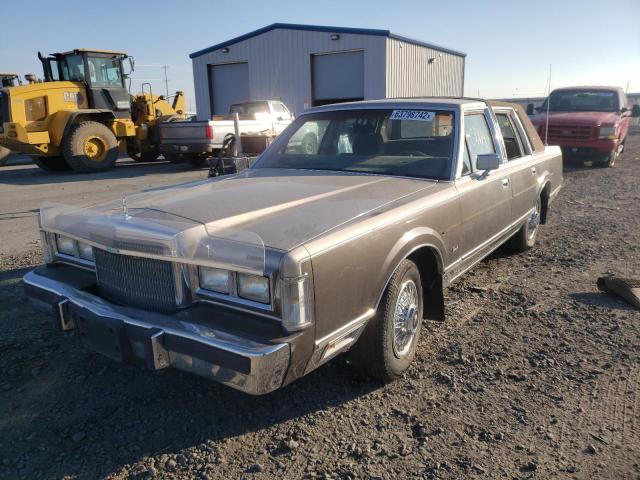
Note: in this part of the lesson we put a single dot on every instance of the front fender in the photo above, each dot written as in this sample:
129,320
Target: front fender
410,242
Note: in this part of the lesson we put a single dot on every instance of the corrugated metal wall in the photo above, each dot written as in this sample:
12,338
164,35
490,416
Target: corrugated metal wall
280,65
409,73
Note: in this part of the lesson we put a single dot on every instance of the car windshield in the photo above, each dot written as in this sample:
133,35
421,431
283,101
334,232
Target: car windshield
410,143
582,101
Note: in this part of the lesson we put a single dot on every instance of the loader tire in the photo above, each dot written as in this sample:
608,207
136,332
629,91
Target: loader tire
52,164
90,147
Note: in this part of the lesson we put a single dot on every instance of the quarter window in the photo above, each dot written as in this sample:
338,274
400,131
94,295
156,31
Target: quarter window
511,136
477,137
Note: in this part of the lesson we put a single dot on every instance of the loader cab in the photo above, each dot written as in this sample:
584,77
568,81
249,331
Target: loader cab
102,73
8,80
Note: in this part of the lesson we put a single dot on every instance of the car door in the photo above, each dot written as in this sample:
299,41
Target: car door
485,197
281,117
521,165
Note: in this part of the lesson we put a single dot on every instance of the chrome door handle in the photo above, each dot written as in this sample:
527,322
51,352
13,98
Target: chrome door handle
505,182
533,170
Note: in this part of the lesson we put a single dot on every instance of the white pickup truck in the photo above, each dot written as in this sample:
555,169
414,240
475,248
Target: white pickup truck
194,141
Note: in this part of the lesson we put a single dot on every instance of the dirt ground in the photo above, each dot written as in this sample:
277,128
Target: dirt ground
535,374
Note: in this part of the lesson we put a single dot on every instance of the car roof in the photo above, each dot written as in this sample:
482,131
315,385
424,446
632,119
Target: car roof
408,102
88,50
589,87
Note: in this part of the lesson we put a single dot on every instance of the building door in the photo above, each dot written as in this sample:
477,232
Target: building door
228,84
337,77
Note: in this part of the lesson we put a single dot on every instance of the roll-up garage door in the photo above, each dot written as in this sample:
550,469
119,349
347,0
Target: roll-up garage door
229,85
338,77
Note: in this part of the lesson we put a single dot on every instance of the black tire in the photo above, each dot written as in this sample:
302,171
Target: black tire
196,161
525,238
376,352
148,156
52,164
173,158
5,153
90,147
309,144
610,160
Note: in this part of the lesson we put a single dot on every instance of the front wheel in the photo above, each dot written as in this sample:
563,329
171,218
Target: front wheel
388,345
52,164
526,236
90,147
610,160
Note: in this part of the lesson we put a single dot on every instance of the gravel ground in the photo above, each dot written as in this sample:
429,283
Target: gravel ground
534,374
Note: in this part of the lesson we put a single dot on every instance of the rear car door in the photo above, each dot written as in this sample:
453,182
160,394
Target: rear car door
521,165
485,197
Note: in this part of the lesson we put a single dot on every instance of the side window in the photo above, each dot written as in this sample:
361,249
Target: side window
477,136
511,136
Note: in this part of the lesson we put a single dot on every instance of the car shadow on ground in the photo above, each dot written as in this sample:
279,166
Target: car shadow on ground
84,405
30,174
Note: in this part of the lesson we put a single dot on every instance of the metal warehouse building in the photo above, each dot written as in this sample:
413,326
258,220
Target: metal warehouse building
306,65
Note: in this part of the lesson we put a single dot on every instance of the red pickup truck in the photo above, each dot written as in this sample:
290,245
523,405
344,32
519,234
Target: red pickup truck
588,123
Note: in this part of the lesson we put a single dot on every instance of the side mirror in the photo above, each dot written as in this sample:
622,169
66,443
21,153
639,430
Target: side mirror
635,110
530,109
487,161
279,119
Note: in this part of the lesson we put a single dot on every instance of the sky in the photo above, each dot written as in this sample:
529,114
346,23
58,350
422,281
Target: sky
509,44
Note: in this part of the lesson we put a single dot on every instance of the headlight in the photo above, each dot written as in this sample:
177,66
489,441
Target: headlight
253,287
608,133
67,245
297,312
215,279
85,251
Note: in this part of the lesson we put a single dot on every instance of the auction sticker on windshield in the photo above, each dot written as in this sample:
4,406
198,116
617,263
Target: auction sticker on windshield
418,115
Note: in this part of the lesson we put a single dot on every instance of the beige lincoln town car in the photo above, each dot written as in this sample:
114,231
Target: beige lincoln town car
344,241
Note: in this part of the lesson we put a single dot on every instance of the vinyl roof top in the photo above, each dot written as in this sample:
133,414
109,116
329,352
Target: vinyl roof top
410,102
323,28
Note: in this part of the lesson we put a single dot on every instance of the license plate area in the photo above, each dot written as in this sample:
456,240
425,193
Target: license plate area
102,334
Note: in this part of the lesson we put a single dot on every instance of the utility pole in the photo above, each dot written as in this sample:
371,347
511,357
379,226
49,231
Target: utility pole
166,80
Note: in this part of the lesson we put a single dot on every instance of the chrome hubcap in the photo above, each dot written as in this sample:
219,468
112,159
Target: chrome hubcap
406,318
534,221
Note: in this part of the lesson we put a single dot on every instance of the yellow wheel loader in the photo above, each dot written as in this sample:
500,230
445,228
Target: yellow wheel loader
82,116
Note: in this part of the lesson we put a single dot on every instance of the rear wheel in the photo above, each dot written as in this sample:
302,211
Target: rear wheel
309,144
90,147
148,156
388,345
526,236
52,164
196,161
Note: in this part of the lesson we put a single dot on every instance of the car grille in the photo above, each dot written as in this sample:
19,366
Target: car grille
4,110
136,282
569,133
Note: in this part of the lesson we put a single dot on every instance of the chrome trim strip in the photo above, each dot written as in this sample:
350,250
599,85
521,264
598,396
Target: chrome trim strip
346,329
483,245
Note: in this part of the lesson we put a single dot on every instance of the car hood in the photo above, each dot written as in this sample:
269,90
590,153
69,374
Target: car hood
582,119
284,208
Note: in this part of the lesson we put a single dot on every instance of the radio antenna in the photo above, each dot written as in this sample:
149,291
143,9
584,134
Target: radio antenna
546,123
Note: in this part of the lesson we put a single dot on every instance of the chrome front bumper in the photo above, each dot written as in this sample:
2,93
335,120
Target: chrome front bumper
160,340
